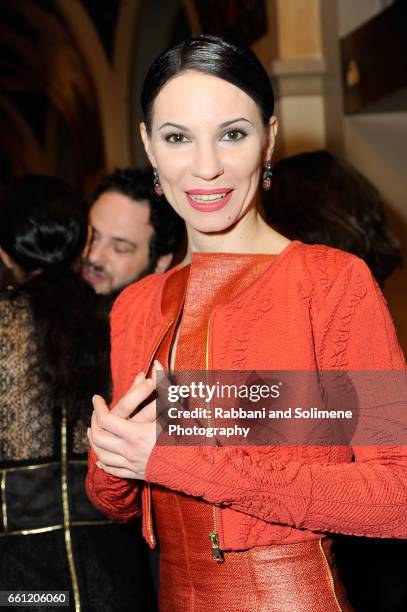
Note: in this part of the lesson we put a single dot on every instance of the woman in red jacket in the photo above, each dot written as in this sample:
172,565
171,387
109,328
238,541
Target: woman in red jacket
240,528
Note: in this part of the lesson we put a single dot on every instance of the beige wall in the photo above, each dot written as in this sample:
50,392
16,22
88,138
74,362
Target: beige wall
377,145
299,31
302,124
292,53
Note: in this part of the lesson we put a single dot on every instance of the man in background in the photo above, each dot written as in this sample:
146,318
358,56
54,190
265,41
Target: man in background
133,232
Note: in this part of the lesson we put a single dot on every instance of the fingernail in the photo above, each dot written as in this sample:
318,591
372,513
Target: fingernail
150,382
98,464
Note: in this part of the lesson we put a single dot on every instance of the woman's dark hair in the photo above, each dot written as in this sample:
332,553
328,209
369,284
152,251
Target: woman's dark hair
41,223
43,229
212,55
319,198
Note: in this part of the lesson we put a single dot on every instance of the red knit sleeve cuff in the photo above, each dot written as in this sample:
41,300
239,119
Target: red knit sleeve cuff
118,498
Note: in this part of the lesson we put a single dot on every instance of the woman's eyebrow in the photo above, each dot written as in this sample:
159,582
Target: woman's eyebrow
226,123
175,125
178,126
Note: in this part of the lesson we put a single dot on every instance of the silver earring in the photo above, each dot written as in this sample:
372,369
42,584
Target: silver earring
157,185
267,175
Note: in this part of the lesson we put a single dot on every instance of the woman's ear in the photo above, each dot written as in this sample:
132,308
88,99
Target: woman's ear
146,143
271,133
6,259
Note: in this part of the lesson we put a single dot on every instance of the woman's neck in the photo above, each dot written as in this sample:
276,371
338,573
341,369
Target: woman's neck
250,234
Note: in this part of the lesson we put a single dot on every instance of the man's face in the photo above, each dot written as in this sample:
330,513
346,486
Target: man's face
118,252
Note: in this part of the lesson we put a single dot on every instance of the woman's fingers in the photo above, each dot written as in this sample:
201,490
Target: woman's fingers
123,445
147,414
140,390
139,378
162,385
112,459
102,440
97,400
108,420
105,442
157,367
112,432
95,427
136,395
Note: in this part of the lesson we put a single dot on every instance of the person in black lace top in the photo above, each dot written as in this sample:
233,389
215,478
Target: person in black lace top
54,345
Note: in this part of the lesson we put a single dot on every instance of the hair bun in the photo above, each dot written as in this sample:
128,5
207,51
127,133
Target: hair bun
41,223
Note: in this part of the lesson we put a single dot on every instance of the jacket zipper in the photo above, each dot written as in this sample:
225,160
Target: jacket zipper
217,554
150,531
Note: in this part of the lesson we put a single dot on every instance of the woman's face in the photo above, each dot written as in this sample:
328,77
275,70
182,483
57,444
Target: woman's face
208,143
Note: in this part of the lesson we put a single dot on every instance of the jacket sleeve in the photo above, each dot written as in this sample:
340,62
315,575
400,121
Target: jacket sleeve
118,498
366,497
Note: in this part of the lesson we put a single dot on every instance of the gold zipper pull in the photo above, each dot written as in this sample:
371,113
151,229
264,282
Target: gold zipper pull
216,551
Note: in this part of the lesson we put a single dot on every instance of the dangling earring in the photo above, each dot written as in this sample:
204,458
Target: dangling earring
157,185
267,175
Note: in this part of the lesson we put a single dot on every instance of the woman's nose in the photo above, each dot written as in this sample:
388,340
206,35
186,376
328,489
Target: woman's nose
207,163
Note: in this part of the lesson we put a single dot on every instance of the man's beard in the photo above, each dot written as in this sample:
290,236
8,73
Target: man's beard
149,269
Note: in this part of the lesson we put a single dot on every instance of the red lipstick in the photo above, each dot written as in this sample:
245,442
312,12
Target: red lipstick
209,204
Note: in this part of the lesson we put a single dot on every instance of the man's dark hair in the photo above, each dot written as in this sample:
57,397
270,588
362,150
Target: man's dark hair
169,228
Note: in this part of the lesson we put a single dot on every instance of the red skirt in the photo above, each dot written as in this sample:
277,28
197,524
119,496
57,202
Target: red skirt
276,578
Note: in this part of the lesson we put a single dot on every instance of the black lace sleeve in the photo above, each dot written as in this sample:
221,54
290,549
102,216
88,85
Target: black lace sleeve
26,415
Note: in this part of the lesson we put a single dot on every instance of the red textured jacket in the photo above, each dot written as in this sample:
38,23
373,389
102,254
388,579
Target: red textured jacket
313,308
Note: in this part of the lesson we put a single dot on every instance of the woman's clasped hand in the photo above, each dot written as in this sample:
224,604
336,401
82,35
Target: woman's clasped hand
123,438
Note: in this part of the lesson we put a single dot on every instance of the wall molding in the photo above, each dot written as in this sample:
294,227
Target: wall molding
298,76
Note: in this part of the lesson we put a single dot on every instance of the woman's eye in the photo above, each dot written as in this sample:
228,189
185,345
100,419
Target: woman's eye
176,138
234,135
